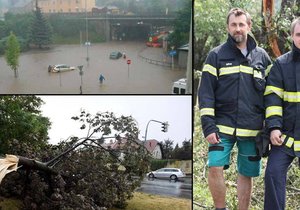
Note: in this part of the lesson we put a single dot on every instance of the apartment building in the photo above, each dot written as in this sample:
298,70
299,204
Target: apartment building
66,6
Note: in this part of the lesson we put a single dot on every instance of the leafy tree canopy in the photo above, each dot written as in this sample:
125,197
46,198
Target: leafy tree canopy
21,124
167,148
180,35
12,53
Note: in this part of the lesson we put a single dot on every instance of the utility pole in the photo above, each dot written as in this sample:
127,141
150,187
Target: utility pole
189,69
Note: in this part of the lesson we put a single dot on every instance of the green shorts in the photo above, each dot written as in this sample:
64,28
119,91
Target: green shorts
248,164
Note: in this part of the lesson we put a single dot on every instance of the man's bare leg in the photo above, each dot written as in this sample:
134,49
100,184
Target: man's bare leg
217,186
244,190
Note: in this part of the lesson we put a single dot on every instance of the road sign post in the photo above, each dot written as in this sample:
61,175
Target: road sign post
128,62
172,53
80,73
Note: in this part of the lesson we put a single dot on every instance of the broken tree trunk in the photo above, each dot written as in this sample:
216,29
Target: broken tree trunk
268,11
36,165
12,163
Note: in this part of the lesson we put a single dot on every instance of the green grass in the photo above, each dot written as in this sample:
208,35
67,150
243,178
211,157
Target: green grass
10,204
142,201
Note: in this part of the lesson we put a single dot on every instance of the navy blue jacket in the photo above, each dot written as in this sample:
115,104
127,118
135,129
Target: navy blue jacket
231,90
282,98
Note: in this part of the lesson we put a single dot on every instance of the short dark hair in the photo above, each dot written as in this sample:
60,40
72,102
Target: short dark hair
293,25
238,12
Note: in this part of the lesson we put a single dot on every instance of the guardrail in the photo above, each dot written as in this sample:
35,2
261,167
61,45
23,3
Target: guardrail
156,62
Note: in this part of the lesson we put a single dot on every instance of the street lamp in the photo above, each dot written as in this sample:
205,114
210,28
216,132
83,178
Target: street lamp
80,73
87,35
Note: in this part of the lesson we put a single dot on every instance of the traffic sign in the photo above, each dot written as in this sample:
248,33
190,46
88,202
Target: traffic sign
128,62
172,52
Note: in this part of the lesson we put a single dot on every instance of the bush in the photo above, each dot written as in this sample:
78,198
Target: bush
157,164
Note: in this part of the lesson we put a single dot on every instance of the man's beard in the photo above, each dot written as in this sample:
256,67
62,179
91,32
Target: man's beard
239,38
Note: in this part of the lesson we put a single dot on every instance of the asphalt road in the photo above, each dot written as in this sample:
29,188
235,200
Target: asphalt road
179,189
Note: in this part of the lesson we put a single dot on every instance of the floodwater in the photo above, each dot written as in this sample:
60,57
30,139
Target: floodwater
139,77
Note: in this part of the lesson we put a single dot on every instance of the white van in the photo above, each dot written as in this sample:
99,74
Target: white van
179,87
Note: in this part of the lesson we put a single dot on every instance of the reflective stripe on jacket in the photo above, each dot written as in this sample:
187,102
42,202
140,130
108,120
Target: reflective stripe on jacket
231,90
282,98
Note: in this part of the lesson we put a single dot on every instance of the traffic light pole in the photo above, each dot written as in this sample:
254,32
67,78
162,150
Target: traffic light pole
163,123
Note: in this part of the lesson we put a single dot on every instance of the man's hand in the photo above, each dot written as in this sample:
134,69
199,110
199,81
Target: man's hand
213,138
275,137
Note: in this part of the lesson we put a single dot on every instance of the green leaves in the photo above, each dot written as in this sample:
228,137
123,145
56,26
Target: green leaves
12,52
180,36
20,119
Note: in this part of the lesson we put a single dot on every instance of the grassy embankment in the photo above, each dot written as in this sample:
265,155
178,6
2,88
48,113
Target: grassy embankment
140,201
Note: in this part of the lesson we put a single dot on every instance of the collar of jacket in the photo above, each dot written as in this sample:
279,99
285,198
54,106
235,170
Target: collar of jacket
296,53
251,43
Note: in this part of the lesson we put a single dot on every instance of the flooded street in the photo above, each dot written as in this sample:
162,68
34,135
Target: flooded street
142,77
179,189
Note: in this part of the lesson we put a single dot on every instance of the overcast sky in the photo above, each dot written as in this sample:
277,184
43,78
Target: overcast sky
174,109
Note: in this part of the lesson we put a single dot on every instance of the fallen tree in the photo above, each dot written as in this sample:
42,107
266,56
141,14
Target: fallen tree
82,173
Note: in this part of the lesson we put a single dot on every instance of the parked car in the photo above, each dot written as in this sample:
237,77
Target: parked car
62,67
170,173
87,43
115,55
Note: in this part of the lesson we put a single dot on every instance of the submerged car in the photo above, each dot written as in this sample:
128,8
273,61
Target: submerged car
115,55
62,67
170,173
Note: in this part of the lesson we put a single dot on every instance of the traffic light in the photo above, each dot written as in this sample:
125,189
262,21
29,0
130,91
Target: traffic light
164,127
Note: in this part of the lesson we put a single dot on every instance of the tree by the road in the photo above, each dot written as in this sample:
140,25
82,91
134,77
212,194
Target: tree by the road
184,152
22,127
167,148
12,53
40,31
3,29
180,35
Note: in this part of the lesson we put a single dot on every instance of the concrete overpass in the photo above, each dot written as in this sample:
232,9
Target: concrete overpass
126,27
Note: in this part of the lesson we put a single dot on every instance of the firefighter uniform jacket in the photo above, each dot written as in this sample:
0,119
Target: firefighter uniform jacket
231,90
282,98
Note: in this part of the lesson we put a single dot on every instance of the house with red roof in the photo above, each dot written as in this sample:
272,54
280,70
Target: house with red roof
154,147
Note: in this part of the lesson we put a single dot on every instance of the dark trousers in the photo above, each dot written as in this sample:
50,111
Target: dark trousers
275,179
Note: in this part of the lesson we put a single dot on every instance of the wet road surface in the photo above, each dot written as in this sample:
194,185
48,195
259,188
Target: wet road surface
141,78
179,189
